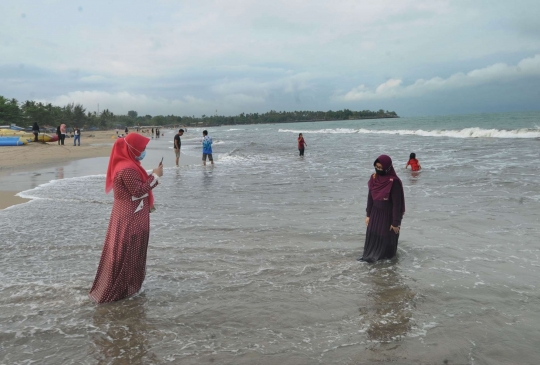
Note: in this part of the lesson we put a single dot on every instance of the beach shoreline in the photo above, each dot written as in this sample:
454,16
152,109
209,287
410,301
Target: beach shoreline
9,198
35,156
26,167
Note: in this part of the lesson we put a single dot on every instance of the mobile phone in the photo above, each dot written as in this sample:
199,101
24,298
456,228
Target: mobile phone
161,163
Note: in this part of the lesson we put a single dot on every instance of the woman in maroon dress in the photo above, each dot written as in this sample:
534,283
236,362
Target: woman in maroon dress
122,266
385,209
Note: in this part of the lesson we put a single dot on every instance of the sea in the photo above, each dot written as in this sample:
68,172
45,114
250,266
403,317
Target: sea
254,260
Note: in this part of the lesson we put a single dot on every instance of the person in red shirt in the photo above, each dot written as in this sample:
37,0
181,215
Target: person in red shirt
301,144
415,165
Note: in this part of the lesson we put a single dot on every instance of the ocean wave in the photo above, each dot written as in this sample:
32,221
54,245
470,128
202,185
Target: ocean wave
61,185
327,131
457,133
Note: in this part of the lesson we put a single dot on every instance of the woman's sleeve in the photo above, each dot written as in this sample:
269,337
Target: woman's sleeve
134,184
369,203
397,203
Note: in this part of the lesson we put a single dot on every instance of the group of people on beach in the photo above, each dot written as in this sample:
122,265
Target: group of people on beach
61,132
152,131
122,266
206,146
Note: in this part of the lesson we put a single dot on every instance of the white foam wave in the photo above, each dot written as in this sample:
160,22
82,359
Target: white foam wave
461,133
78,181
326,131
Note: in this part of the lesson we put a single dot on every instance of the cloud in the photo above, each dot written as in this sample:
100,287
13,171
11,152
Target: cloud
241,55
122,102
393,88
287,83
94,79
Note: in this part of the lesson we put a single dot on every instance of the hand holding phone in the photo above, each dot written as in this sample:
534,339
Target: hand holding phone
159,170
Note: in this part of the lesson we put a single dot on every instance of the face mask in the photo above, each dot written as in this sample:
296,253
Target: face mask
380,172
141,156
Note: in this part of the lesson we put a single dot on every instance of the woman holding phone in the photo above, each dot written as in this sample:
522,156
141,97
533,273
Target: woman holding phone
122,266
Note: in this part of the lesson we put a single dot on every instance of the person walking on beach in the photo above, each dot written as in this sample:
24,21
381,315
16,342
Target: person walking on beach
122,266
152,133
301,144
207,148
116,132
77,136
415,164
384,212
35,130
178,144
62,133
58,134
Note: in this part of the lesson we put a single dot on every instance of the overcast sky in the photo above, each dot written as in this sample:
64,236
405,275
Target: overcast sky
195,57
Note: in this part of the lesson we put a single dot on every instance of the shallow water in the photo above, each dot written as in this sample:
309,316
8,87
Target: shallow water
254,261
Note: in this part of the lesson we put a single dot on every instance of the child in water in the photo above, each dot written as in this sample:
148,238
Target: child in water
301,144
415,165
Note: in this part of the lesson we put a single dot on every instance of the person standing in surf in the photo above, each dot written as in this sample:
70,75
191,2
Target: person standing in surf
207,148
301,144
122,266
178,145
413,162
384,212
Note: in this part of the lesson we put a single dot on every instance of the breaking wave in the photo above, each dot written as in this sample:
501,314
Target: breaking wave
462,133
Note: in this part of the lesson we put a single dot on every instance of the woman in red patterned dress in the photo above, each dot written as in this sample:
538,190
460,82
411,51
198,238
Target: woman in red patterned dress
122,266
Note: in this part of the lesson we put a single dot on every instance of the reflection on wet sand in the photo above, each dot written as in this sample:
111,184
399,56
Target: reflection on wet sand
60,172
207,178
120,334
390,304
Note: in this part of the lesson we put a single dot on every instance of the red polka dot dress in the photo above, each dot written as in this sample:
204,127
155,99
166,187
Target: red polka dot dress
122,267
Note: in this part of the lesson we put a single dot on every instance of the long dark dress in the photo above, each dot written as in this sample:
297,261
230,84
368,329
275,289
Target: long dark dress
381,242
122,267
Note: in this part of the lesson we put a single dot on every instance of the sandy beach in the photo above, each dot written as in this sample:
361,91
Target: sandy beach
34,156
24,167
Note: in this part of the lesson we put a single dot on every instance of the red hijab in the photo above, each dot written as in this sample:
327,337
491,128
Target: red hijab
381,185
123,156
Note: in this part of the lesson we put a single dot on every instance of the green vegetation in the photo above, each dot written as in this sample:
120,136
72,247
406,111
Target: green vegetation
25,114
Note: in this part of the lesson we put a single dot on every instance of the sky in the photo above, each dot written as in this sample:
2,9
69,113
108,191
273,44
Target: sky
414,57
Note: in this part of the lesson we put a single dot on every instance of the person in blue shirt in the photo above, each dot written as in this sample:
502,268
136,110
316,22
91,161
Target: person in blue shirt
207,148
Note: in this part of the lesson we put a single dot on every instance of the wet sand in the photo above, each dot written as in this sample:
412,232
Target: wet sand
26,167
8,198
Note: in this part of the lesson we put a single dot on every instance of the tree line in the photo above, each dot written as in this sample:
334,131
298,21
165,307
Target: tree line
26,113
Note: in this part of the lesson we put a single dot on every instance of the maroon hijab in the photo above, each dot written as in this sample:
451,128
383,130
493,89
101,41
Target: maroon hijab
381,185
